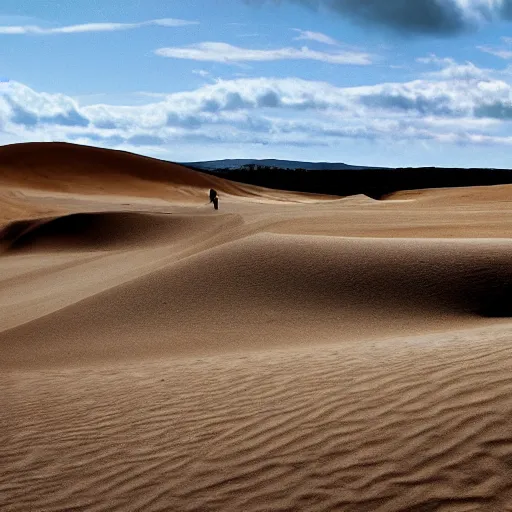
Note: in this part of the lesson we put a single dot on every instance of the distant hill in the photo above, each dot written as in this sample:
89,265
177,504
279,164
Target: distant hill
212,165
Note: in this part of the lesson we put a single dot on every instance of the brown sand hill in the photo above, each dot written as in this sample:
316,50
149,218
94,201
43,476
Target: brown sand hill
494,194
272,292
71,167
74,169
283,353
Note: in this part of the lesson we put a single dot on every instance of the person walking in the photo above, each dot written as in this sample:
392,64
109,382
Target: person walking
214,198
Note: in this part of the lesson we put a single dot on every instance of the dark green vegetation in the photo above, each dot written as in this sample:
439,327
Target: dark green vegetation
375,183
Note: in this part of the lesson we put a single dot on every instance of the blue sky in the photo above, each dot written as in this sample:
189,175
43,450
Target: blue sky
395,83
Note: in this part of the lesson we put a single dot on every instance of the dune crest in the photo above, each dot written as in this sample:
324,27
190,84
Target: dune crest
101,231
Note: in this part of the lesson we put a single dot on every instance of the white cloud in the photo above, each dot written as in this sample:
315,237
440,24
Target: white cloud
307,35
434,59
229,54
450,69
438,107
90,27
497,52
503,52
201,72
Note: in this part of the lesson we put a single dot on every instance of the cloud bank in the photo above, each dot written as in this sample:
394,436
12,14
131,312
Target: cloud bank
452,103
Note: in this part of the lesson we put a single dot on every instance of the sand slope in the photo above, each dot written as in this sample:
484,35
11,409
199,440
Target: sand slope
469,195
269,291
285,353
403,426
64,168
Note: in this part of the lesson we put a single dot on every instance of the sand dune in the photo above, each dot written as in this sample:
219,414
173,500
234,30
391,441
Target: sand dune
287,352
270,291
101,231
70,167
494,193
398,426
73,169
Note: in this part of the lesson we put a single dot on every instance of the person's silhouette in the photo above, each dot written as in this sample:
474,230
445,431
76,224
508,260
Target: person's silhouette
214,198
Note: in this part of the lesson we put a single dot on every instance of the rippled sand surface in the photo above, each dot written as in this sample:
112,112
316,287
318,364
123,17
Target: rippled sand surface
287,352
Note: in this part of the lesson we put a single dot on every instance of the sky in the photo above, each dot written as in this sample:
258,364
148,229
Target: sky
393,83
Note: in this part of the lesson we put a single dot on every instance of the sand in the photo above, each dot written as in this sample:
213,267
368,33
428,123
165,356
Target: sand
287,352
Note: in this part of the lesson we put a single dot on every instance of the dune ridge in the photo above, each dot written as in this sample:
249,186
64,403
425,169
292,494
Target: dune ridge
101,231
287,352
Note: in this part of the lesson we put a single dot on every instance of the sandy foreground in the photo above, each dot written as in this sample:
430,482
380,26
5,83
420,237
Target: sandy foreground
287,352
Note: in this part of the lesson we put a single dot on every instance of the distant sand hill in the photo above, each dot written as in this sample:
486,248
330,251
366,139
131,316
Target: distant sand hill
286,352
